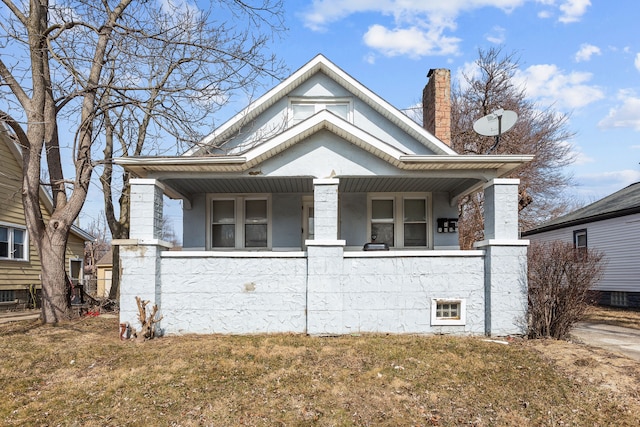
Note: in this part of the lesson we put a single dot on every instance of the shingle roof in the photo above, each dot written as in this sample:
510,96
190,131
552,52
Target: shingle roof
620,203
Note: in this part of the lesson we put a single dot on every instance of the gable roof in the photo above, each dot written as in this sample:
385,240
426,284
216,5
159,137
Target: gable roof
141,166
321,64
45,197
621,203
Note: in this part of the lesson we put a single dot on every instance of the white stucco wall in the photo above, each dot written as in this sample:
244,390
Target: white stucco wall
233,295
392,292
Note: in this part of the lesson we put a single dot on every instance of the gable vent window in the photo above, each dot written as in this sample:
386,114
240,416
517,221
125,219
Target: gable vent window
303,109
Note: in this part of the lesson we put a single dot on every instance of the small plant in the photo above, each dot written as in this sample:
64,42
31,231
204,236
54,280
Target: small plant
561,279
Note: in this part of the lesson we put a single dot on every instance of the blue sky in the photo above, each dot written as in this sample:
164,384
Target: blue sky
581,57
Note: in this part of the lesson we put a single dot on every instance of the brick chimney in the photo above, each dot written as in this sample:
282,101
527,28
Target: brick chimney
436,104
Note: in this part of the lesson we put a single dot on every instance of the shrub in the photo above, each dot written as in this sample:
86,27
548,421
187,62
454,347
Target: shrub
560,281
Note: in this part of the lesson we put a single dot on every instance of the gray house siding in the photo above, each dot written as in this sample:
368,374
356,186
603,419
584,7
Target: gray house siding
618,239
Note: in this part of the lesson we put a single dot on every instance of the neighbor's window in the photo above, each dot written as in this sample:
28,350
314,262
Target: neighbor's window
580,239
13,243
619,299
7,296
239,222
302,109
399,220
448,311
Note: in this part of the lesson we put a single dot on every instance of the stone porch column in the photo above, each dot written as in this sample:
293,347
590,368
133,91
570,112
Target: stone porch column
140,254
325,263
505,260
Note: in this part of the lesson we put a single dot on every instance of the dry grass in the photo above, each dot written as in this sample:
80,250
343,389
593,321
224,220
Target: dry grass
628,318
81,374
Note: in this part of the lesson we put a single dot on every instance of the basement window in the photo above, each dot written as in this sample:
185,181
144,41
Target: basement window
448,312
619,299
7,296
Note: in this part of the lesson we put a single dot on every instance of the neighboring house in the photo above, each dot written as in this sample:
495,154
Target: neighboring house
104,270
19,259
280,201
612,226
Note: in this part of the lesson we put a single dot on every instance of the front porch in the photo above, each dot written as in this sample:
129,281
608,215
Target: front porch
329,288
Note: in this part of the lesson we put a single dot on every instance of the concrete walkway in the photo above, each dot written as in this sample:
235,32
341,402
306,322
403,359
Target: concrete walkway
615,339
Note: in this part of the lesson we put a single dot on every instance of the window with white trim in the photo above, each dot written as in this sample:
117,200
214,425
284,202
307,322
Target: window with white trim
302,109
580,239
239,221
14,242
448,311
401,221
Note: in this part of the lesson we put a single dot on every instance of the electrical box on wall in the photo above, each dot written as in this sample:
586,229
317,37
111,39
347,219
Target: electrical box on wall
447,225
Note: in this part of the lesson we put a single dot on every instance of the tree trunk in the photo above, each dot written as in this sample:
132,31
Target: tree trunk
56,299
114,292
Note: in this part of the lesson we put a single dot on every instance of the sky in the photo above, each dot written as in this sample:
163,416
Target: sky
580,57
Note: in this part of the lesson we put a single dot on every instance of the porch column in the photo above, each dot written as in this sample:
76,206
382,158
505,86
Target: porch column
140,254
325,206
505,260
325,263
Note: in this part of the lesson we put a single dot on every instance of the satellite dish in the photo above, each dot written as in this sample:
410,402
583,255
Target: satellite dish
495,124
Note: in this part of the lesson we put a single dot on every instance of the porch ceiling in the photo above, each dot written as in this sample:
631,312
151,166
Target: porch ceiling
190,186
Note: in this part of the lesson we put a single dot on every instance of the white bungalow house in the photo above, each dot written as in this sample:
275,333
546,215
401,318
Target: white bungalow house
281,201
610,225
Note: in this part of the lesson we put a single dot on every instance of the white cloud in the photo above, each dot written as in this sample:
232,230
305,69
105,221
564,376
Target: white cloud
412,42
603,184
551,85
497,35
415,22
579,156
586,52
572,10
625,115
637,62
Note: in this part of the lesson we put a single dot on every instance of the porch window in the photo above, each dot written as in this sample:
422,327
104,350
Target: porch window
399,220
302,109
448,311
239,222
13,242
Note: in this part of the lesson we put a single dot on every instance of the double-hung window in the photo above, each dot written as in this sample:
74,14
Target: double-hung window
400,221
13,242
239,222
302,109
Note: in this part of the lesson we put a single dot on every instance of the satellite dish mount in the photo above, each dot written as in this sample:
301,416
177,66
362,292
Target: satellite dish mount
495,124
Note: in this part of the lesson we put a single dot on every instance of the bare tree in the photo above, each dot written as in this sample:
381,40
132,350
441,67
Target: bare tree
542,132
561,279
71,69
